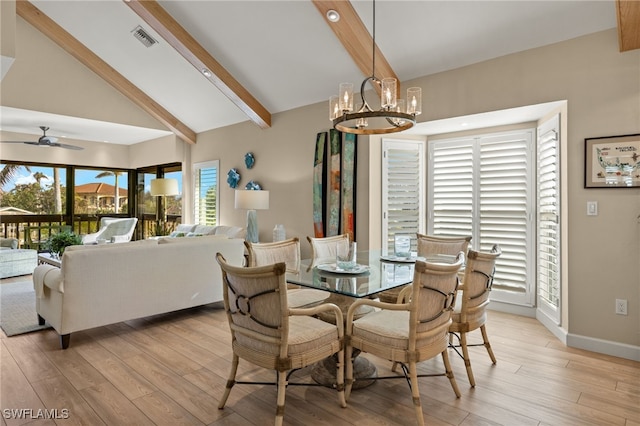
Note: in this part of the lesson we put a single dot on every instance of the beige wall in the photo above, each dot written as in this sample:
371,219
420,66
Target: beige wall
602,90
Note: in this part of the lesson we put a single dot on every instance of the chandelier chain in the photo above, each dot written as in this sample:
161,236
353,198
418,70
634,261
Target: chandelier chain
373,54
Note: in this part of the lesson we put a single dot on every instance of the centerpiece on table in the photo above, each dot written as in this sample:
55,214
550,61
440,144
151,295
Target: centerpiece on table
58,242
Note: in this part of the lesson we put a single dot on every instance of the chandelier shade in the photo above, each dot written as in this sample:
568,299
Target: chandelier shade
394,115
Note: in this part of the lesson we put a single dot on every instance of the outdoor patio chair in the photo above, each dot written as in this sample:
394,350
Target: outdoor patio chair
113,230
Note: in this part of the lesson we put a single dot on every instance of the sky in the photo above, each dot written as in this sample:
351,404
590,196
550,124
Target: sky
82,177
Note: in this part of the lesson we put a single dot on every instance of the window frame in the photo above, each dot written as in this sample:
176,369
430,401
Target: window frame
197,167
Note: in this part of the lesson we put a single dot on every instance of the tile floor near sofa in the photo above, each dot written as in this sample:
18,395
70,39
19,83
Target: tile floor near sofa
175,366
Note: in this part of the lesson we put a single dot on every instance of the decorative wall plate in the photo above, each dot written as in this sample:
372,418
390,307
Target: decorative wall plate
233,177
249,160
253,185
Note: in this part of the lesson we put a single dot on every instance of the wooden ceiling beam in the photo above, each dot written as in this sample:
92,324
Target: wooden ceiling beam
62,38
356,39
628,15
174,34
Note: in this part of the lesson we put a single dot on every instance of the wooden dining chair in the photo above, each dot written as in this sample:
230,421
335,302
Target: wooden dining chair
287,251
266,332
431,245
469,312
411,332
324,249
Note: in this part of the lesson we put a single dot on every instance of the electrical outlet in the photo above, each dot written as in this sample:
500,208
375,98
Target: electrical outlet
621,306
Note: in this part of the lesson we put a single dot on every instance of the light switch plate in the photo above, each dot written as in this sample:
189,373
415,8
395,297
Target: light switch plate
592,208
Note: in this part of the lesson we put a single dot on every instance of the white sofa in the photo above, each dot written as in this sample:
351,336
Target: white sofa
104,284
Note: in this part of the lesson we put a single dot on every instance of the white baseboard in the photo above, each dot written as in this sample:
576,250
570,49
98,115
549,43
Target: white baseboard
551,325
607,347
524,311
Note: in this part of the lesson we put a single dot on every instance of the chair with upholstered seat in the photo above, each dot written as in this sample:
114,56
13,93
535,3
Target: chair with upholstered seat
324,249
269,334
431,245
470,309
287,251
411,332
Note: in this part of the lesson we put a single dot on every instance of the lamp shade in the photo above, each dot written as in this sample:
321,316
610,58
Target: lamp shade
164,187
252,199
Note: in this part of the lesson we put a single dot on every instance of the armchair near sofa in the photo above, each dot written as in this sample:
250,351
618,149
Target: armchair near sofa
8,243
113,229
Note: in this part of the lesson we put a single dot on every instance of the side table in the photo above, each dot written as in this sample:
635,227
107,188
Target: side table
48,259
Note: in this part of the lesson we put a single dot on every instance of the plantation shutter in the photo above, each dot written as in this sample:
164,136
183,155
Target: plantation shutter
549,219
451,188
402,191
481,186
505,203
206,193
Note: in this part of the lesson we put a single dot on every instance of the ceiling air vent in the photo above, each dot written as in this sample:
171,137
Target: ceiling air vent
143,36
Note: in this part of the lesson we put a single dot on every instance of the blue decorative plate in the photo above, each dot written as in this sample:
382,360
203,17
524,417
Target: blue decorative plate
249,160
233,177
253,185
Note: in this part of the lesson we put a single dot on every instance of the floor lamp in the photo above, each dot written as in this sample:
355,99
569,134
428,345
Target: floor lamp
252,200
161,188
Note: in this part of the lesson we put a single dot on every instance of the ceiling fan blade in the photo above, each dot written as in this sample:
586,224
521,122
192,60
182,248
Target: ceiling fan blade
66,146
47,141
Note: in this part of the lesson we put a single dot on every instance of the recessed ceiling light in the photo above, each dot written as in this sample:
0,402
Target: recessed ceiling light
206,72
333,15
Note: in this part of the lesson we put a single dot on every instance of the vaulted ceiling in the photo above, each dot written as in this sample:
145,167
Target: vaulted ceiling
217,63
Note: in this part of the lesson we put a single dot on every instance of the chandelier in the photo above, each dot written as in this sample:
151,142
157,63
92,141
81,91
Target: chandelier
393,115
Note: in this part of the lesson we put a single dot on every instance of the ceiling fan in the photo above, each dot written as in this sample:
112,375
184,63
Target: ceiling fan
47,141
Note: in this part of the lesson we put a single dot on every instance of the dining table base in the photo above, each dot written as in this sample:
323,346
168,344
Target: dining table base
364,372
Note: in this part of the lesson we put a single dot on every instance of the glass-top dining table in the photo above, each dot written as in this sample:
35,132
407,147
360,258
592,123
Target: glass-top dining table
374,273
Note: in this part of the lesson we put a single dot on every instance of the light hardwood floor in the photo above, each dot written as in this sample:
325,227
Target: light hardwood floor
171,369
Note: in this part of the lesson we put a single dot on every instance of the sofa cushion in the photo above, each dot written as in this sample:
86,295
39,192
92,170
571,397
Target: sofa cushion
230,231
169,240
203,230
185,228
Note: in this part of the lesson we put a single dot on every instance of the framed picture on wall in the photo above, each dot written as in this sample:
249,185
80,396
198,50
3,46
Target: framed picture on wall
612,162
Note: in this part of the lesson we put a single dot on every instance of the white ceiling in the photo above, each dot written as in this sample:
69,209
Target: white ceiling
286,56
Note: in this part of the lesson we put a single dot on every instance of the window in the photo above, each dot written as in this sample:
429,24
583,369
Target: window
483,186
33,189
101,191
206,184
549,219
402,190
